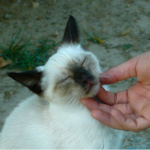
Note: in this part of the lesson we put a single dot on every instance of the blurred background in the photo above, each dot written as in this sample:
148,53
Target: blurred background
31,30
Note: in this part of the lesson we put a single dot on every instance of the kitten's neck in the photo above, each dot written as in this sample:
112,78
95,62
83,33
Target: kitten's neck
67,106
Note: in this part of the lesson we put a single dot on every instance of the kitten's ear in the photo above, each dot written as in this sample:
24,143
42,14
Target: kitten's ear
71,34
30,79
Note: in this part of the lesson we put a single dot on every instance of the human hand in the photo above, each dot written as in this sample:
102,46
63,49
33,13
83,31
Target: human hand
128,109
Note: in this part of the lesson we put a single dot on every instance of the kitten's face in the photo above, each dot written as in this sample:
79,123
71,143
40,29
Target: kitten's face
70,74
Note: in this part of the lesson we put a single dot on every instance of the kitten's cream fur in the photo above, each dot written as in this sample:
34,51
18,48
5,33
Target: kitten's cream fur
56,118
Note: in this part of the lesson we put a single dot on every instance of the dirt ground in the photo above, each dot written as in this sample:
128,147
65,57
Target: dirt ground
119,22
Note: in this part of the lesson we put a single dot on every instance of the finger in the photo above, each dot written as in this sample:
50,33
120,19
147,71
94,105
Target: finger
118,121
123,108
105,108
105,119
106,96
111,98
121,72
89,103
133,116
129,123
92,104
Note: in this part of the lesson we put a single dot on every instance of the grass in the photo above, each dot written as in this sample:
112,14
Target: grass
94,38
127,46
26,55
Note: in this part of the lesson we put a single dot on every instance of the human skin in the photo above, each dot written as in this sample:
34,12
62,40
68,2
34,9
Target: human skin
129,109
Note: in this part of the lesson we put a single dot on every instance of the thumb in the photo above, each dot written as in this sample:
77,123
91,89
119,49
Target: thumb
121,72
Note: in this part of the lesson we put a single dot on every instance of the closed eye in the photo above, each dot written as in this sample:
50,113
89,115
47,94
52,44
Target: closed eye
65,79
83,62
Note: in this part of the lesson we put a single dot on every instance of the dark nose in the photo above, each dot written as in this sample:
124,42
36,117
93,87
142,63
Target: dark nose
82,76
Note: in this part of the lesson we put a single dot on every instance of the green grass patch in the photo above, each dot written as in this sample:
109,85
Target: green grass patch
26,55
127,46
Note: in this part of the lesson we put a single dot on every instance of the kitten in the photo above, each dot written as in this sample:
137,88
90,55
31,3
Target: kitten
54,118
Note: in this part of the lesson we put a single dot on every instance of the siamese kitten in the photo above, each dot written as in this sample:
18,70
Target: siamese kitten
54,118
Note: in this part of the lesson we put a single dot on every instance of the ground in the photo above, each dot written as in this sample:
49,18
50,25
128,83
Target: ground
122,25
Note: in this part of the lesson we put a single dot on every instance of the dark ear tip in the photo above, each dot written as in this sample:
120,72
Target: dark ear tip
71,34
10,74
71,17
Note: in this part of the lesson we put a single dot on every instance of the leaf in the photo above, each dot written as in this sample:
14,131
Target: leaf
125,32
99,40
94,38
4,62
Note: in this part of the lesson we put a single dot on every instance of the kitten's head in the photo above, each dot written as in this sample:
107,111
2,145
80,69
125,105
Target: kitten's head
70,74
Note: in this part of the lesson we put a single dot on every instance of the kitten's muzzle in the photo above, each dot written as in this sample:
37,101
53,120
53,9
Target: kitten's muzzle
83,78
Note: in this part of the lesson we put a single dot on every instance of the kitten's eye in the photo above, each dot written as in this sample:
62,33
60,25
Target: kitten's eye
83,62
65,79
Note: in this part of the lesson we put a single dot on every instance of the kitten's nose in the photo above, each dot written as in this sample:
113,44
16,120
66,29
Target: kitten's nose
83,77
86,79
